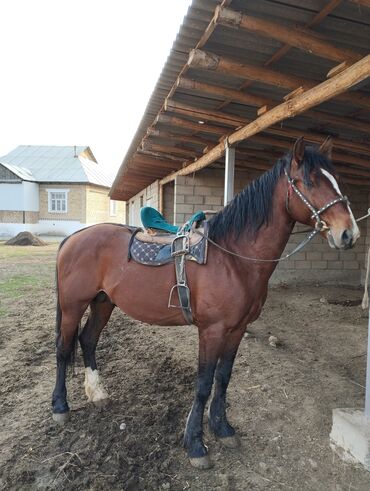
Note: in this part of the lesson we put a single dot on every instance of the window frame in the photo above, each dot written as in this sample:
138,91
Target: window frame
51,199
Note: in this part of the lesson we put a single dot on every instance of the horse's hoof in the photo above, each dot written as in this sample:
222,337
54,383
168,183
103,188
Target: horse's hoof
61,418
230,441
101,402
201,462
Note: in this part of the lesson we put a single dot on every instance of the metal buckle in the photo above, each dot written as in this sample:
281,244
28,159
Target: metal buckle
320,225
182,248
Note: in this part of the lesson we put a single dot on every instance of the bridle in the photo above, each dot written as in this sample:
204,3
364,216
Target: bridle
320,224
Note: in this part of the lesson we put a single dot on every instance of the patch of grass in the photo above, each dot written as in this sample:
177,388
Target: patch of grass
15,286
2,312
26,251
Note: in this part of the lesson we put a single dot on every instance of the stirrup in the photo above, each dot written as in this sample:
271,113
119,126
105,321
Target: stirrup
182,289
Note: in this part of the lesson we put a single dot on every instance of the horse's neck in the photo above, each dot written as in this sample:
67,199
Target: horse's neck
271,239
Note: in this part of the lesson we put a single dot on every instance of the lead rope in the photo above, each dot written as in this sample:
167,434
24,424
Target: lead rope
294,251
365,298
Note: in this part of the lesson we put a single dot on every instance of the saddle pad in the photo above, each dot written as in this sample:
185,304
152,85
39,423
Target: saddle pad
153,254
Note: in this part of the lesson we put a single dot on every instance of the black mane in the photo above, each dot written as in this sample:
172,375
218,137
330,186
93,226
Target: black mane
251,208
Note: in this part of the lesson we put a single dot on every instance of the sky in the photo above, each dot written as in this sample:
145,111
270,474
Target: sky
80,72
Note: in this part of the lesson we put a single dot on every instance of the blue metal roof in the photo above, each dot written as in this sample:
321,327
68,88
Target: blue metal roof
41,163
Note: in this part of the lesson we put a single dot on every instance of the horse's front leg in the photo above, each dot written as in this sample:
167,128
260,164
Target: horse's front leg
217,419
211,340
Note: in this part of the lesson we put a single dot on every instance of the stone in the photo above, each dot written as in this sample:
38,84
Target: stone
350,436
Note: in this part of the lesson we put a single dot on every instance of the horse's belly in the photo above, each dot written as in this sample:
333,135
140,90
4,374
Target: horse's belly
143,293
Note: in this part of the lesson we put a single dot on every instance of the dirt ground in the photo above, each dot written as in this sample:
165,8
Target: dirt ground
280,399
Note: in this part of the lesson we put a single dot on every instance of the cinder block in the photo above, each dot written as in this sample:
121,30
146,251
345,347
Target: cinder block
350,436
185,190
319,264
203,191
185,208
330,256
335,265
314,256
213,200
303,264
195,200
351,265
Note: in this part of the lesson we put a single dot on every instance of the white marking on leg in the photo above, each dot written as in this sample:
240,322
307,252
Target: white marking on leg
355,229
93,386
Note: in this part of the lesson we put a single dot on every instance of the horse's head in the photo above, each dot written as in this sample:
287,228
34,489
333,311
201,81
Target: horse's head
314,197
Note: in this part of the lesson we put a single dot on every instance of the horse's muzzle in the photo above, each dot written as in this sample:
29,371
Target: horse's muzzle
344,239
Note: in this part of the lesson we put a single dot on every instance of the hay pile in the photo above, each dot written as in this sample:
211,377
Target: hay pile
26,239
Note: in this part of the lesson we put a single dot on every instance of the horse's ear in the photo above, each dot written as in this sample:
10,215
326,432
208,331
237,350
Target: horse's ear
298,151
326,147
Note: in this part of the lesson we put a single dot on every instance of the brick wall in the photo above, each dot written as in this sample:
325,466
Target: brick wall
317,261
76,202
98,206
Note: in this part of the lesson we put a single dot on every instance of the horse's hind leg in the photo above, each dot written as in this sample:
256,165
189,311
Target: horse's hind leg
100,311
67,330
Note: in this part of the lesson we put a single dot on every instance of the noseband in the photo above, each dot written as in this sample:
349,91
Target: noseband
320,224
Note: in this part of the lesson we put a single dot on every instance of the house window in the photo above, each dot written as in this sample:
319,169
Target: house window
113,208
141,201
57,200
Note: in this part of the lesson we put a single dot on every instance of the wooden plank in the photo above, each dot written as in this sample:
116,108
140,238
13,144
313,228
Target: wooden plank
364,3
168,149
337,69
165,135
293,36
210,61
317,95
235,121
294,93
222,92
190,125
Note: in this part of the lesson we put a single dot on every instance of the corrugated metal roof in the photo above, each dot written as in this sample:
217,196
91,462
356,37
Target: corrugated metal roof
346,26
41,163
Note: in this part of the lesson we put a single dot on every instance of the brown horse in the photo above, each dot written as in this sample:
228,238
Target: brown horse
227,293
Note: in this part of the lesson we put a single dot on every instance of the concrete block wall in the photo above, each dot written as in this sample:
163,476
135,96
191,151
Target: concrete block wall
316,262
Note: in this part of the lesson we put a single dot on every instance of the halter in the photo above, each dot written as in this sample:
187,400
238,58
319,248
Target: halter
320,224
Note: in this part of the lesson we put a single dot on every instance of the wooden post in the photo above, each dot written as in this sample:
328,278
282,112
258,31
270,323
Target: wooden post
229,174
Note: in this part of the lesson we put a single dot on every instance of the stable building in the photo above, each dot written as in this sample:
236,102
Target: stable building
243,81
54,190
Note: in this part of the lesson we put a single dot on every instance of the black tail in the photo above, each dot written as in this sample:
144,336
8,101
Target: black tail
58,322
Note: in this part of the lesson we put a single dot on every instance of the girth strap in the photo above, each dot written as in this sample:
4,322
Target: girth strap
179,249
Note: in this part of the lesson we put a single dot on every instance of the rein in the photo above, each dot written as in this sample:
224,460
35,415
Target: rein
320,224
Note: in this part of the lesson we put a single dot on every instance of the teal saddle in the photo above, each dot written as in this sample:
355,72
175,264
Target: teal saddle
155,249
151,218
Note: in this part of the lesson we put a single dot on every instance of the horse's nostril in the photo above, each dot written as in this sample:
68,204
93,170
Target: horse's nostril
347,237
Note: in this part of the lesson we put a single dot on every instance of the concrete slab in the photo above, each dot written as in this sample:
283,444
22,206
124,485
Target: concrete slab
350,436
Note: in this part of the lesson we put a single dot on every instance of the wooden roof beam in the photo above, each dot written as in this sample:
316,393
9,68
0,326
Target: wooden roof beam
168,149
189,125
294,36
317,95
264,102
165,135
210,61
235,121
365,3
221,132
